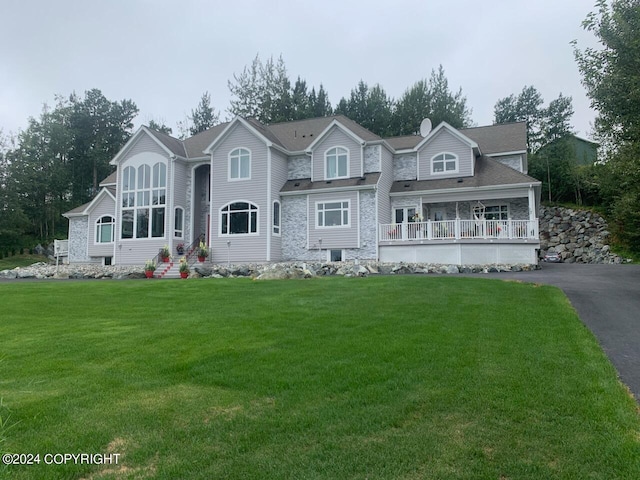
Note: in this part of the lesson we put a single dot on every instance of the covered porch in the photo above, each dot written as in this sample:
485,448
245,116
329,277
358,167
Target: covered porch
459,229
470,226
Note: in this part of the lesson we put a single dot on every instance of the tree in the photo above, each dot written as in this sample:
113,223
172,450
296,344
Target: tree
204,116
13,221
99,129
263,91
371,108
556,119
430,99
60,158
160,127
611,75
526,107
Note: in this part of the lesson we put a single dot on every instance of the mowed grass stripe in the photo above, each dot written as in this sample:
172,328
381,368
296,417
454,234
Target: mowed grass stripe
386,377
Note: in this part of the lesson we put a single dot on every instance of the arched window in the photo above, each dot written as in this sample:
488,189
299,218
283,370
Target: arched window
178,222
444,163
143,202
105,229
239,164
336,163
238,218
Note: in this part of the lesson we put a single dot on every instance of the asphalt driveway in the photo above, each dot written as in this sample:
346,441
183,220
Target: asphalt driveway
607,299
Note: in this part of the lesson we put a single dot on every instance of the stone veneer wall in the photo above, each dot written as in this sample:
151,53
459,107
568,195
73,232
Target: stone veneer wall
78,232
405,167
294,229
372,159
299,167
579,236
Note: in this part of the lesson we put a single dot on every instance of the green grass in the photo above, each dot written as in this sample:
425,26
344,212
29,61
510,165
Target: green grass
388,377
20,261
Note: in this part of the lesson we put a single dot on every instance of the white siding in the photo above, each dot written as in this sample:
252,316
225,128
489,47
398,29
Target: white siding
445,141
334,238
105,206
144,144
181,172
243,248
136,251
278,178
336,138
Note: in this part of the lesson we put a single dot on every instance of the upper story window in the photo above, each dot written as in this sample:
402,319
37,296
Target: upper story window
337,163
238,218
239,164
105,229
333,214
444,163
143,202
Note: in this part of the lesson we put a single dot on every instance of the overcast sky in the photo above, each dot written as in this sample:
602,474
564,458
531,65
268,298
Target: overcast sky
164,54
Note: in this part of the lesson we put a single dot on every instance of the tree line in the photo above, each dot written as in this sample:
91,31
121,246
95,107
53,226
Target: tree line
55,164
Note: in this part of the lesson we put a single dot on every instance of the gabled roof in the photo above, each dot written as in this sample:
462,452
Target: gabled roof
173,144
488,173
491,139
455,132
297,136
194,146
169,144
85,209
252,125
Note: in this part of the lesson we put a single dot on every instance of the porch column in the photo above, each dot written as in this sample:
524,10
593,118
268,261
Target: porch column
532,204
533,224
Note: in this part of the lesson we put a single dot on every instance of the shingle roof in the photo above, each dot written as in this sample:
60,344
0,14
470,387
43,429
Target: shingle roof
297,136
488,172
508,137
404,143
110,180
195,145
173,144
369,179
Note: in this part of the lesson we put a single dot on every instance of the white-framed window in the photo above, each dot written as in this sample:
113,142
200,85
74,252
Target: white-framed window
239,218
178,222
336,163
105,228
240,164
276,217
444,163
496,212
335,255
333,214
143,202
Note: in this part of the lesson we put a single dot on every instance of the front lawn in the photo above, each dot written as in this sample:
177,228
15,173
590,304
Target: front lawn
23,260
406,377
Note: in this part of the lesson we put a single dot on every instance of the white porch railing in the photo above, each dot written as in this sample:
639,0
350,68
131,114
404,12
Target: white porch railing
460,229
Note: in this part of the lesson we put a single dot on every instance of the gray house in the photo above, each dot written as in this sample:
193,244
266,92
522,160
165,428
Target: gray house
317,189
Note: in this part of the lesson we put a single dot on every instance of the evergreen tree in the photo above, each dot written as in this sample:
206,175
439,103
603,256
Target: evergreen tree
611,75
371,108
203,117
430,99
